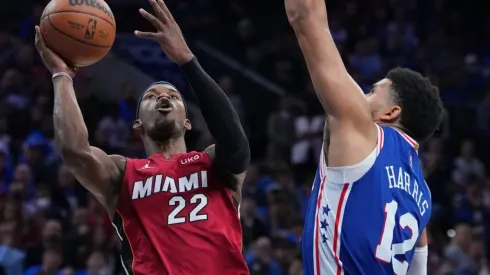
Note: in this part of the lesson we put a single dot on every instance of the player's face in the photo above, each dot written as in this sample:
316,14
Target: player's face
380,98
162,113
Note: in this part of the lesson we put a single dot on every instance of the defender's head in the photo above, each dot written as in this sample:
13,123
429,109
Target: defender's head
409,100
161,113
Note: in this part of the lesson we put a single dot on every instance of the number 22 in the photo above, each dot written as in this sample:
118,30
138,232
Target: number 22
386,249
200,199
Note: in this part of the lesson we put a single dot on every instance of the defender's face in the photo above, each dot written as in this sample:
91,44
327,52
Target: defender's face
162,107
380,99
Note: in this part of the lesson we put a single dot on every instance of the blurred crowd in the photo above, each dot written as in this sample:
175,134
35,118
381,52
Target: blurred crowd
50,225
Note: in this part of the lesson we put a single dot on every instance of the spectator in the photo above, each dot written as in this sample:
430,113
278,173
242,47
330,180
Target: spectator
127,104
296,268
280,131
51,241
309,138
365,59
114,129
458,252
70,195
96,265
51,261
252,225
6,172
11,258
260,259
467,164
469,206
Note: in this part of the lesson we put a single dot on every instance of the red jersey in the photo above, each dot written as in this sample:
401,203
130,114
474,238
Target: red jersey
175,216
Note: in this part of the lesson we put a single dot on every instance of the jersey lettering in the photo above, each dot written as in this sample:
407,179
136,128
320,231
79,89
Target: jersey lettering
189,159
153,184
400,179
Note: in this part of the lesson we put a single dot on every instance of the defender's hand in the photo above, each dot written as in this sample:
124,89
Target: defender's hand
52,61
168,33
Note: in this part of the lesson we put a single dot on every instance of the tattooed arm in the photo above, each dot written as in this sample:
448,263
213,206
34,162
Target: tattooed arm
98,172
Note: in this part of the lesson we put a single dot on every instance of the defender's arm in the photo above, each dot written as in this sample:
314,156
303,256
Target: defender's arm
344,103
419,260
231,153
100,173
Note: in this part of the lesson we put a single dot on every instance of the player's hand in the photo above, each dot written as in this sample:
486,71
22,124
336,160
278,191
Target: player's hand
168,33
52,61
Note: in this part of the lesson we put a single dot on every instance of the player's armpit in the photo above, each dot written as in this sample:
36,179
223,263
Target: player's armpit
233,181
99,173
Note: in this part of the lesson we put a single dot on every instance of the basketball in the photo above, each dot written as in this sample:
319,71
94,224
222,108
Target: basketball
79,31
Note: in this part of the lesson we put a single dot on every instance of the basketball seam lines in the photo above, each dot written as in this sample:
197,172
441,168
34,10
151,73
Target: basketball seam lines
46,39
74,38
82,12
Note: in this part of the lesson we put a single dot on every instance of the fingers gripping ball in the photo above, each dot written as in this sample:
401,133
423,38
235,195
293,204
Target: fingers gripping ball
79,31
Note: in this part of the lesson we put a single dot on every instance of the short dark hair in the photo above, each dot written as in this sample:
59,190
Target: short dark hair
140,99
422,109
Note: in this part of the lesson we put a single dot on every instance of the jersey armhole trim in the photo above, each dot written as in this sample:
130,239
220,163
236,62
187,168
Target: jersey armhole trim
124,193
351,173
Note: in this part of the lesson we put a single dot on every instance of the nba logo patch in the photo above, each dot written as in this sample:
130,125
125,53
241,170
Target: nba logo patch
410,160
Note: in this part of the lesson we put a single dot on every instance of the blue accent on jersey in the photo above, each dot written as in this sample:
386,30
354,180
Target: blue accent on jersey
385,213
307,244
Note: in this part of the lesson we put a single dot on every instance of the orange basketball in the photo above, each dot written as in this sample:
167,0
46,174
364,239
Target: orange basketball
79,31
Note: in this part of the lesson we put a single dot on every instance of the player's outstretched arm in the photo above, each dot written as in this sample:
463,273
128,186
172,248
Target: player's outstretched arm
342,99
231,152
100,173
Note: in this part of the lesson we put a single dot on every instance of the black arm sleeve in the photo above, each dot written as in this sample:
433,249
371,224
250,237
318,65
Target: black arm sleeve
232,148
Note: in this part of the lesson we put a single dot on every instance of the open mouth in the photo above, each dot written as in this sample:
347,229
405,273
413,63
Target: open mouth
164,106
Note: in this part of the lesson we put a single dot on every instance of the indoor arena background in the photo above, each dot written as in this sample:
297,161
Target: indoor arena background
247,46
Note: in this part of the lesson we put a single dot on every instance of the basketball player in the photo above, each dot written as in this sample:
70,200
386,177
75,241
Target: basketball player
370,203
175,211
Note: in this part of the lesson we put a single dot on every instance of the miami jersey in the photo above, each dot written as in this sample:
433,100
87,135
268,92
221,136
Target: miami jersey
367,218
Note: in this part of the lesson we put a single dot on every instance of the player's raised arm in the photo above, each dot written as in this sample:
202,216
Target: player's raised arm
231,152
98,172
342,99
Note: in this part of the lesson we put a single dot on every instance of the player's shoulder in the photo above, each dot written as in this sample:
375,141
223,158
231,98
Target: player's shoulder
394,136
194,158
182,160
189,160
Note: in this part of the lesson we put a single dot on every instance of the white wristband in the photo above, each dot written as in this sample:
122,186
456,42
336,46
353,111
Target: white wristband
61,74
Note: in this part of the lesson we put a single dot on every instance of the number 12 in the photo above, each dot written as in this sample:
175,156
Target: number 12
386,249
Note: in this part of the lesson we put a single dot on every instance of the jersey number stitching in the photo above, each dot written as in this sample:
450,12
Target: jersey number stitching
179,202
386,250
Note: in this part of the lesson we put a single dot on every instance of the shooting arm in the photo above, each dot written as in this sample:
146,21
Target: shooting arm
95,170
232,152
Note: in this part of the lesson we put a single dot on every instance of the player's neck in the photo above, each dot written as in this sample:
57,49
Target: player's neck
167,148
